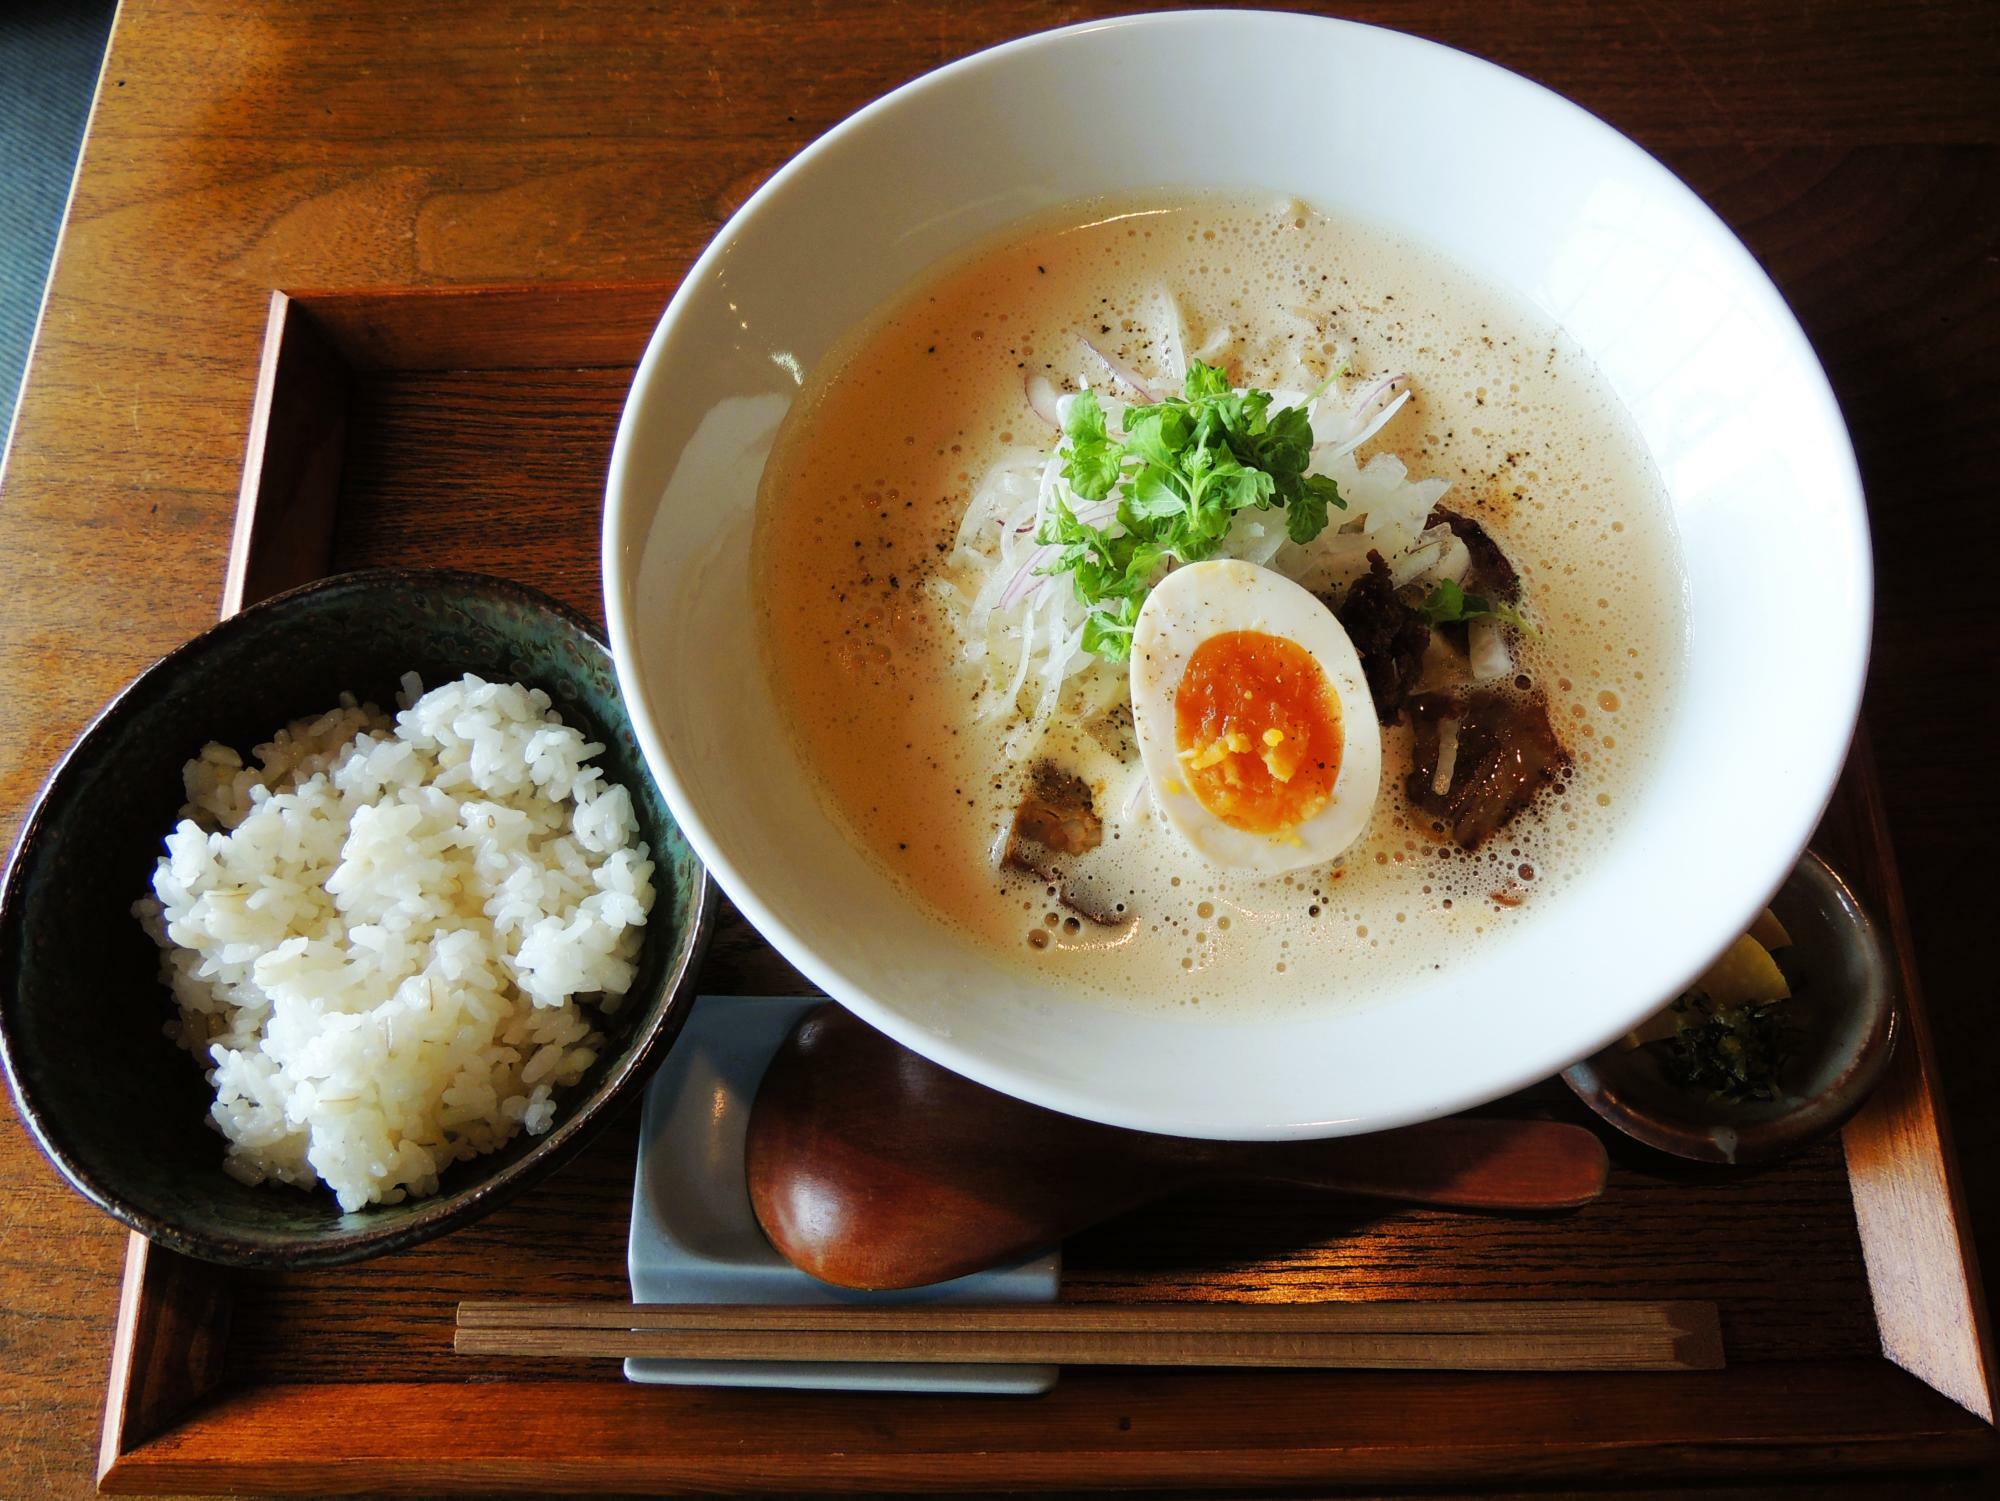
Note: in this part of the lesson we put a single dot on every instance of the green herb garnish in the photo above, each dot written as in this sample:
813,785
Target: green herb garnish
1183,470
1728,1052
1448,605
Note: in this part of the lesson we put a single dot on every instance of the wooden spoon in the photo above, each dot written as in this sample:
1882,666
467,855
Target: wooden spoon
870,1167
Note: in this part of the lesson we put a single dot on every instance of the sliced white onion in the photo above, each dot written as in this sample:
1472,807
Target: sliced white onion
1025,626
1453,562
1175,336
1041,393
1413,565
1132,802
1007,700
1262,539
1125,375
1009,489
1424,555
1487,649
1447,758
1332,560
1216,345
1381,419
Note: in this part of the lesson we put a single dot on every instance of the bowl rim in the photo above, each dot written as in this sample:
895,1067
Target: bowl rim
440,1212
618,578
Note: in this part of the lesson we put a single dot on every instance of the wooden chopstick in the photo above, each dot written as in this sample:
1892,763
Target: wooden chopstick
1463,1336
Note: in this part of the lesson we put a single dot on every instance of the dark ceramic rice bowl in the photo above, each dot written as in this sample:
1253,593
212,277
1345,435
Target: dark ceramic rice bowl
121,1110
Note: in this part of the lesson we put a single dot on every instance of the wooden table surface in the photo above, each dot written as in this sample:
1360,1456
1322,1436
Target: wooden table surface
239,147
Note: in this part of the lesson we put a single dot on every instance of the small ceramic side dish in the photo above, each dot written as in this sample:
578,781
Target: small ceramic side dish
695,1238
1842,1016
121,1110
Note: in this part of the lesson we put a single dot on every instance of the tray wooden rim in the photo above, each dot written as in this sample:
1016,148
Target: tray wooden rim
170,1426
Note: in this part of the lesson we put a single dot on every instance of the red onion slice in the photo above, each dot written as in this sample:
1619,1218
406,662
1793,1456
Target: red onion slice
1369,397
1125,375
1353,441
1026,581
1090,515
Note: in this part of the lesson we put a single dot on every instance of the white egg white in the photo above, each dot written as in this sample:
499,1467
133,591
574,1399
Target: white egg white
1200,600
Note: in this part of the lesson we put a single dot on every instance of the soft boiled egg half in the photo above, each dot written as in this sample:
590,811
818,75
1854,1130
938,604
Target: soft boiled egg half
1253,718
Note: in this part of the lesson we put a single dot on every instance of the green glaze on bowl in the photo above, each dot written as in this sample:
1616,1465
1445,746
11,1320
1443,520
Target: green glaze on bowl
122,1111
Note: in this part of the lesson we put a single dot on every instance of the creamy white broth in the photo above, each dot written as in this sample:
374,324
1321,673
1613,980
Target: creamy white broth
879,459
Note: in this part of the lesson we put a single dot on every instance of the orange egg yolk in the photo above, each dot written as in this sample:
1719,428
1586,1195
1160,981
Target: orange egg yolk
1257,729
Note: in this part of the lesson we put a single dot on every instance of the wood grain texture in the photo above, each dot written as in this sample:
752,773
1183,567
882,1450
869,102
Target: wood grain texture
522,328
1908,1200
236,148
166,1355
1097,1430
1778,1249
297,444
434,473
1777,1253
1473,1335
468,450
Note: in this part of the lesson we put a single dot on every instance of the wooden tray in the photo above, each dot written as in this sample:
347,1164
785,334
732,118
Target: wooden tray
472,428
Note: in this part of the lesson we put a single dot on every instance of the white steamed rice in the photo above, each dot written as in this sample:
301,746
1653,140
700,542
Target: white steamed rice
389,941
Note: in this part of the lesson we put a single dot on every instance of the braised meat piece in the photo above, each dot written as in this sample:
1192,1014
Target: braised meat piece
1055,822
1056,814
1490,574
1388,635
1507,753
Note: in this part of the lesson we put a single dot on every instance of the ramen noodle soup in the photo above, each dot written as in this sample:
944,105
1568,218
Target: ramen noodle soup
1208,602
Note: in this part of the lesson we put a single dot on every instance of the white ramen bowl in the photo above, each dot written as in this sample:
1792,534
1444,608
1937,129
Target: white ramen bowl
1513,183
